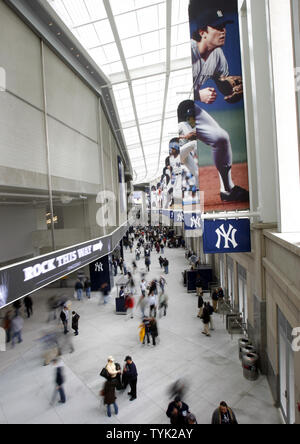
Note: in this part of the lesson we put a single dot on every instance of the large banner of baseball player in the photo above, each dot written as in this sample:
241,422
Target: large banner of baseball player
219,105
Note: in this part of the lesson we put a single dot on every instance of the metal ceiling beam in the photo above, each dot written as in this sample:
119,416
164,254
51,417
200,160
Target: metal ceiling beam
127,73
118,15
151,70
168,72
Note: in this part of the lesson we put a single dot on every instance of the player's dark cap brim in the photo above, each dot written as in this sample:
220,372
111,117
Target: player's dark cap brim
211,17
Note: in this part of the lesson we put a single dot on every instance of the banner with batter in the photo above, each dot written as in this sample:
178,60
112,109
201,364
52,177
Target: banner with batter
219,104
187,148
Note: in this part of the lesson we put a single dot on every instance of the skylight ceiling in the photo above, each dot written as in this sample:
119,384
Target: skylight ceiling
143,47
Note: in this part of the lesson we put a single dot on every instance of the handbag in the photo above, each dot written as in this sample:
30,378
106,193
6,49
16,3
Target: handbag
104,373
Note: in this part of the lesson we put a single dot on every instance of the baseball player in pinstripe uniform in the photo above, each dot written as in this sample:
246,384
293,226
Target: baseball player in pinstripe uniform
209,62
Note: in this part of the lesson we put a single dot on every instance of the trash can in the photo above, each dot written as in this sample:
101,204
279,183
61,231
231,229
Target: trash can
250,370
243,342
248,349
120,306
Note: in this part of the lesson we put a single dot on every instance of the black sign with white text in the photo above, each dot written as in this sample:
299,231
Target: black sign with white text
24,278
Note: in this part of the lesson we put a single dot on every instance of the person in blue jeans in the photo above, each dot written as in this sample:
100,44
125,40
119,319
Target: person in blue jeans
59,382
109,394
17,327
79,289
87,287
166,266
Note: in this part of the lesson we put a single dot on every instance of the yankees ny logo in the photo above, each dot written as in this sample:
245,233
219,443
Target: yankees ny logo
196,222
180,217
226,236
99,266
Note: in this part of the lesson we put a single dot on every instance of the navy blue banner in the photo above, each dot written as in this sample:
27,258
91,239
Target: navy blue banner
193,221
227,236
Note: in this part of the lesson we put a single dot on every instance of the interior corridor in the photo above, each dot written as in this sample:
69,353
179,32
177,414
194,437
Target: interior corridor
211,366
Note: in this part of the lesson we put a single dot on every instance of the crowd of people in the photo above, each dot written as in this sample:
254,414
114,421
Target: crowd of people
146,299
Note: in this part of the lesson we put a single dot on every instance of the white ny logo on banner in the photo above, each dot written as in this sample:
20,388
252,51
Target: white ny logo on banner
195,222
180,217
226,236
99,266
2,340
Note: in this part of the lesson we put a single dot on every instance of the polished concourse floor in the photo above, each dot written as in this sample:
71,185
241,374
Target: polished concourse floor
210,365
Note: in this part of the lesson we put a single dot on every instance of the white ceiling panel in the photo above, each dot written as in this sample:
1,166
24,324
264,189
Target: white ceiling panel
129,39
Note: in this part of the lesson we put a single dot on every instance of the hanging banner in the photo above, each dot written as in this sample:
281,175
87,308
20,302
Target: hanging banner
219,105
191,202
122,186
227,236
21,279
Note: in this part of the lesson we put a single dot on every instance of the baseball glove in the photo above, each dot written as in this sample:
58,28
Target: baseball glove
231,87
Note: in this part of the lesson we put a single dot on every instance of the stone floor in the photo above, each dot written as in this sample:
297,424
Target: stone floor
210,365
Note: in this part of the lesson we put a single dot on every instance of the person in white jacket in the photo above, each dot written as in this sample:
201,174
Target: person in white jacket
152,300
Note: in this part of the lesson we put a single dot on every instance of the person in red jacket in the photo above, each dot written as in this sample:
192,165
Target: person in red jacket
129,304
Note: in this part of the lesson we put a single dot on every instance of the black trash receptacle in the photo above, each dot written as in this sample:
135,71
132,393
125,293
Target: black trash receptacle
250,369
120,306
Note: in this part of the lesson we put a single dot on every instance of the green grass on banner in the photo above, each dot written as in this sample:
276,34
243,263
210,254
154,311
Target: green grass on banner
234,123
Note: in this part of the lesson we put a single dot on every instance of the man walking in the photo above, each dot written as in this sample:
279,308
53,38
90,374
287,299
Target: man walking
75,320
59,381
64,316
28,305
17,327
131,375
79,289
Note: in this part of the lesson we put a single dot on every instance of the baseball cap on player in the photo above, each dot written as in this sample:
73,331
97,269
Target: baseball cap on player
174,146
210,17
190,113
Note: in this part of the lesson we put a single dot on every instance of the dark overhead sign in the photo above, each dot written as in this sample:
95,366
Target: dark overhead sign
26,277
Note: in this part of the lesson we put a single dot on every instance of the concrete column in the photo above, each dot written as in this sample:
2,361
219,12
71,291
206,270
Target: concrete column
285,105
259,111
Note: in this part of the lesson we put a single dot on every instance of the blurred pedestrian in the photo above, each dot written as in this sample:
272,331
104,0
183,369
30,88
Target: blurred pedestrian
177,411
75,321
223,415
129,304
166,265
206,320
16,329
215,299
105,292
64,316
153,330
17,307
59,382
28,305
200,305
152,304
199,284
211,312
79,289
109,394
163,303
147,263
7,325
87,288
